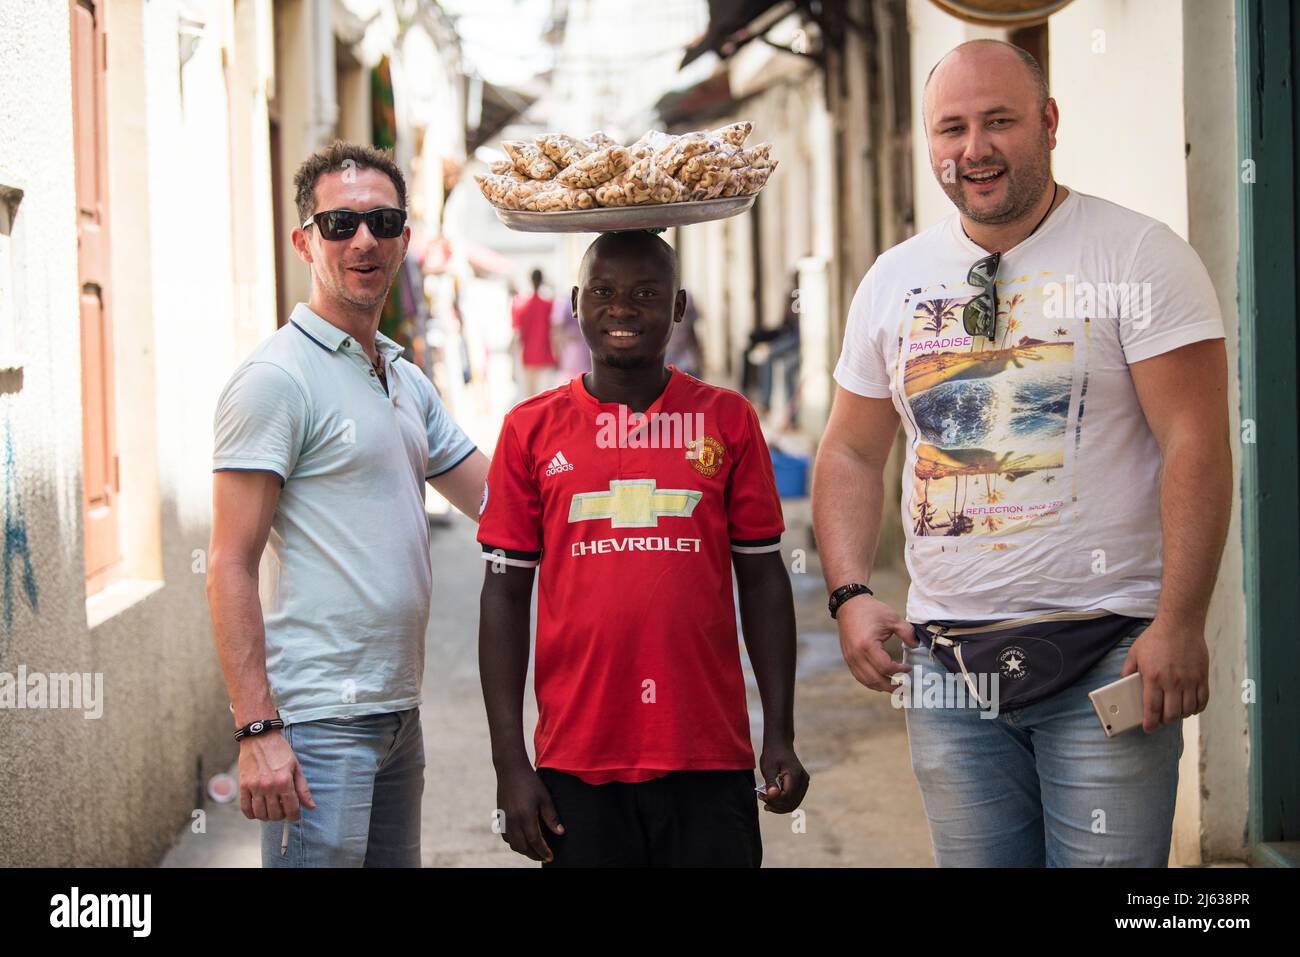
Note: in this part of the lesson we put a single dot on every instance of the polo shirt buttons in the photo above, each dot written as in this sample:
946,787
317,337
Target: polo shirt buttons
346,343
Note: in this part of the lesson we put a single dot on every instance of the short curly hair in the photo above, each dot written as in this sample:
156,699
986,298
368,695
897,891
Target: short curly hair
341,155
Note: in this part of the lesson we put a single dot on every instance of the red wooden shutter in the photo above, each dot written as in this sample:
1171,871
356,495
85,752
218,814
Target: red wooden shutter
89,115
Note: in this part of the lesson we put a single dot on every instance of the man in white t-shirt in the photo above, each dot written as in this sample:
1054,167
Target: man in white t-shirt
1064,404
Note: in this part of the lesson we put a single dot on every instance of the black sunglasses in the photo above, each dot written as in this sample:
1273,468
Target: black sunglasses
980,316
383,223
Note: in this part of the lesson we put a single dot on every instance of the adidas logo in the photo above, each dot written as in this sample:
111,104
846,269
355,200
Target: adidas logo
559,464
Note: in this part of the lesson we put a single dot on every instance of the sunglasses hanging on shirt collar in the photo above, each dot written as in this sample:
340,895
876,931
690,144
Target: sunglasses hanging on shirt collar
980,316
384,222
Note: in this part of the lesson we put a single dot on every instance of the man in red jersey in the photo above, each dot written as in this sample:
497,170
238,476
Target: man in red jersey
635,488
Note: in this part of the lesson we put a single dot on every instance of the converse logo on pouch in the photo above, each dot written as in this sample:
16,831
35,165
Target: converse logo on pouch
1014,662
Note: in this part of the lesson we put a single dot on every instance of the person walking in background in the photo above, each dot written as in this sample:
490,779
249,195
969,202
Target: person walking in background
772,348
573,358
531,318
684,347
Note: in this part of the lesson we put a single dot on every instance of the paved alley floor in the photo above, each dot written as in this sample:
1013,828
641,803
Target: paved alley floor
863,808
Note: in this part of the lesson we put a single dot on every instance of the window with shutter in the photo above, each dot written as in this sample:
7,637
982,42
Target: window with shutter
99,460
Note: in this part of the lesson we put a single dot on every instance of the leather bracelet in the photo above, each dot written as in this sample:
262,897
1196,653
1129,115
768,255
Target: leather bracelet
842,594
255,728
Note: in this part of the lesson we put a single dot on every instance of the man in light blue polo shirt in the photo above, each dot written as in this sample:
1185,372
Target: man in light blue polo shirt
325,437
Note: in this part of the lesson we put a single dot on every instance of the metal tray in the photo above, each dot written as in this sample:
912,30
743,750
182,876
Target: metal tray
615,219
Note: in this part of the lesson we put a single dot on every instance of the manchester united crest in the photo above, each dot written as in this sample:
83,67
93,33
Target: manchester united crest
705,455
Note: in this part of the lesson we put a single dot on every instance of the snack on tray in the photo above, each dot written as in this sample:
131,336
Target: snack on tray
557,172
735,134
756,156
746,182
711,184
507,169
596,168
509,192
644,183
694,169
559,199
529,159
563,150
673,157
651,143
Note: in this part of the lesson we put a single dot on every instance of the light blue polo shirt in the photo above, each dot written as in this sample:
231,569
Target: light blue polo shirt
345,581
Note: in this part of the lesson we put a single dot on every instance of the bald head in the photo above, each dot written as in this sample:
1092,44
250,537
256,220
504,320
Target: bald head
642,247
1014,64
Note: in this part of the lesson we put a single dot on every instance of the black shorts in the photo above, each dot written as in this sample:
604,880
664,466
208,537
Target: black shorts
683,819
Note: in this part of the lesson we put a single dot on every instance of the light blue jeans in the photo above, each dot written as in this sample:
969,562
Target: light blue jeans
366,775
1043,785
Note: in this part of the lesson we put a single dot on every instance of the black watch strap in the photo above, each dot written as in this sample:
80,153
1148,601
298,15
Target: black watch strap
842,594
258,727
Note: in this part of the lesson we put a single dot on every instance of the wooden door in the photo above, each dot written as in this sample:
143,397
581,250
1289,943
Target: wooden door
100,468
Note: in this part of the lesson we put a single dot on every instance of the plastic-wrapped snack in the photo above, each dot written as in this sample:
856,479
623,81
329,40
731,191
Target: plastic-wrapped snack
668,190
643,184
746,182
509,192
651,143
600,140
614,192
559,199
709,161
627,188
596,168
711,184
640,150
735,134
495,189
507,168
563,150
756,156
675,155
529,159
735,183
651,183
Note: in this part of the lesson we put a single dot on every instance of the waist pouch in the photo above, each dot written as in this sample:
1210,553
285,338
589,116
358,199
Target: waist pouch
1029,658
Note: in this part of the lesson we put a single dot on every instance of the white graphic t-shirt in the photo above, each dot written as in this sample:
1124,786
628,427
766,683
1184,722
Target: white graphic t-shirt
1032,479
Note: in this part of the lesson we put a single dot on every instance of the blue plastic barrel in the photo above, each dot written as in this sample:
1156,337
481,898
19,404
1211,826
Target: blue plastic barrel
791,473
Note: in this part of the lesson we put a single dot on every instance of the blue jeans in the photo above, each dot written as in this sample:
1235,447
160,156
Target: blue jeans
1043,785
366,775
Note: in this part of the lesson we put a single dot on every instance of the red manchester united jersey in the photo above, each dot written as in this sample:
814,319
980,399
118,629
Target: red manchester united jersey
633,520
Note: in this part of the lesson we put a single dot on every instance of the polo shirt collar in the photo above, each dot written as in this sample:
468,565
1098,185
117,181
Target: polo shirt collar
390,349
330,337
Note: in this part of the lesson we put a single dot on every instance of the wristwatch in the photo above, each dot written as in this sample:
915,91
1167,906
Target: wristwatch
258,727
842,594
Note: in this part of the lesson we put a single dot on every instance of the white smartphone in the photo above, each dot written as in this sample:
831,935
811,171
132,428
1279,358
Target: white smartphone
1119,705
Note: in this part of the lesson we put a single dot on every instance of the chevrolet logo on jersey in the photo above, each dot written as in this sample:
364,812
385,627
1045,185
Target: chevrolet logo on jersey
634,503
